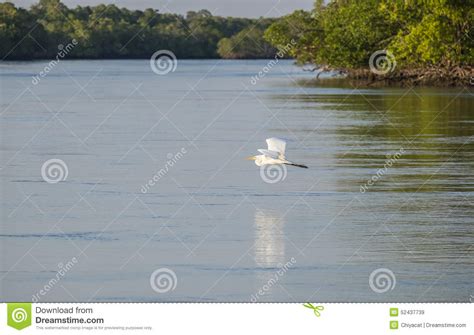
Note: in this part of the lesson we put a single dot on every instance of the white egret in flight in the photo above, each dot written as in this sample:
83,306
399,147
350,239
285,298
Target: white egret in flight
275,154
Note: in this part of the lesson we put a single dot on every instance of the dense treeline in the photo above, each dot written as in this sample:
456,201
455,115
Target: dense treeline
106,31
421,37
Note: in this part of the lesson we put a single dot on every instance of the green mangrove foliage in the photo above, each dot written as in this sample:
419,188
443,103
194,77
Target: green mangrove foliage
343,34
246,44
106,31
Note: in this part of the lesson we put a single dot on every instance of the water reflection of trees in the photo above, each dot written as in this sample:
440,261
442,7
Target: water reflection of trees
433,128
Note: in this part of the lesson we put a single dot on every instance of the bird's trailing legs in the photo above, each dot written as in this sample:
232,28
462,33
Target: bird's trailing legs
298,165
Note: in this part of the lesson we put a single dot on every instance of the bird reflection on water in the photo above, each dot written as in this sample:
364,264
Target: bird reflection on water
269,239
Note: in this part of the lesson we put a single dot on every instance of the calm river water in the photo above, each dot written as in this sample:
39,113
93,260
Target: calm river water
388,193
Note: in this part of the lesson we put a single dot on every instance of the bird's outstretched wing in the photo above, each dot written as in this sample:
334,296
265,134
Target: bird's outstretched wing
276,144
269,153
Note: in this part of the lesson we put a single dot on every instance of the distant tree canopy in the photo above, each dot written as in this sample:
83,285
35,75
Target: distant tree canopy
337,34
106,31
245,44
342,34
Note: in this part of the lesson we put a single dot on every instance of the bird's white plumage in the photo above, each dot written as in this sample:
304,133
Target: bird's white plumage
276,144
275,154
269,153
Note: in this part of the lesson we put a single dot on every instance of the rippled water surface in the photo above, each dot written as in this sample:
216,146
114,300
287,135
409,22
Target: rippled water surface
389,186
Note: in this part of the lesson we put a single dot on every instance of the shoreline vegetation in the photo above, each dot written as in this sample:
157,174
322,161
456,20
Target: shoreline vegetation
429,76
368,42
384,42
109,32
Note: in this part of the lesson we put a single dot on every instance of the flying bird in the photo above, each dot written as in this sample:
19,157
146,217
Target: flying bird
275,154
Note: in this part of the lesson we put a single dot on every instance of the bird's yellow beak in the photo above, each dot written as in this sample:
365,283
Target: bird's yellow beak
251,158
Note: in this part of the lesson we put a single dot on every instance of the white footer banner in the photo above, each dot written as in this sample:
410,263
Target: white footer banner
236,318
